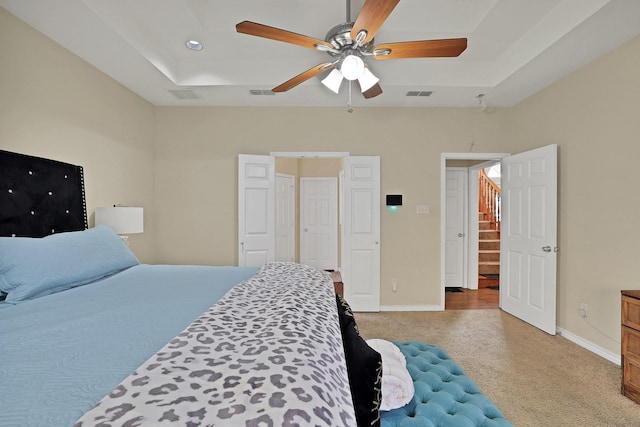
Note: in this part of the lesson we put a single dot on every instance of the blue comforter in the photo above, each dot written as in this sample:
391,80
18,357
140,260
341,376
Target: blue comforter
61,353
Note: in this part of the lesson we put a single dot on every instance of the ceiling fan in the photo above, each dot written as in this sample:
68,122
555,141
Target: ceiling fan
349,43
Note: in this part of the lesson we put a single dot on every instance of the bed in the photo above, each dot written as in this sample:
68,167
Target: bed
91,337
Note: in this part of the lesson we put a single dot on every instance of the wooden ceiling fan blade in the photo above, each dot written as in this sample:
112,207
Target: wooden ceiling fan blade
420,49
371,17
303,77
373,91
261,30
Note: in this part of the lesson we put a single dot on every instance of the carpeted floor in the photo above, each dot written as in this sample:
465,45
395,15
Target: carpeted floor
535,379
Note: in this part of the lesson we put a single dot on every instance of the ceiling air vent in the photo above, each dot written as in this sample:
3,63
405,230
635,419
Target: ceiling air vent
419,93
261,92
184,94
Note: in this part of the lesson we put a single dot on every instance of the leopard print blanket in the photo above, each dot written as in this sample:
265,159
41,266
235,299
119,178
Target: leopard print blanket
268,353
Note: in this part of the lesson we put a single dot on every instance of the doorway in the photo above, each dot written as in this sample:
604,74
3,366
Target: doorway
359,220
315,206
459,248
528,239
486,179
471,282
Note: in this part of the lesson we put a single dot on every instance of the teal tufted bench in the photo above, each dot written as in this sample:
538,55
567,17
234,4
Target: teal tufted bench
444,395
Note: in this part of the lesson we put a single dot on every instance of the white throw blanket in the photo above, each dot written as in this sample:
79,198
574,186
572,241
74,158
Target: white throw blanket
397,384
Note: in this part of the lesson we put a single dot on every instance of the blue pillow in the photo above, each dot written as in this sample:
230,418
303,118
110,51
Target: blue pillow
34,267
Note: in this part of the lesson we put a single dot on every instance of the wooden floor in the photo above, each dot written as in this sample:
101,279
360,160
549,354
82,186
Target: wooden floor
483,297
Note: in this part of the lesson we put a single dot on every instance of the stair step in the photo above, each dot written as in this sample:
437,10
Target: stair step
489,255
487,225
487,245
488,267
488,234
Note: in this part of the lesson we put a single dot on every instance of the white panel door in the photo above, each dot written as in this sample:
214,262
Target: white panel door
285,217
528,237
361,233
256,210
455,227
319,222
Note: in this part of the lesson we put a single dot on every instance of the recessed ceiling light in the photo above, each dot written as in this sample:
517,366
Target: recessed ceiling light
194,44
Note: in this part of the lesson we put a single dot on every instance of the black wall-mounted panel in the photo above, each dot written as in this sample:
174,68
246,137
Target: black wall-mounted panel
394,199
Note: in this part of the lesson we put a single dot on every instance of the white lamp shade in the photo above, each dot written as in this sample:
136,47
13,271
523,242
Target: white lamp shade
121,219
367,80
333,80
352,67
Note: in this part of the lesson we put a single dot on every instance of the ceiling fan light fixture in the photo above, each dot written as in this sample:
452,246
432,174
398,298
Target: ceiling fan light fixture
350,43
367,80
352,67
333,80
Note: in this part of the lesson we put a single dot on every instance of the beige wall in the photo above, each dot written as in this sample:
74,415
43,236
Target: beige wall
196,177
325,168
181,165
594,117
287,165
55,105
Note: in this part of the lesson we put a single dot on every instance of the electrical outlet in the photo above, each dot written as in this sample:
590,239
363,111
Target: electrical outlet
394,285
583,310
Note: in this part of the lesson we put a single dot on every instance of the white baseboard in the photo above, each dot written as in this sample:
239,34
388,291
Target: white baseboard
611,357
411,308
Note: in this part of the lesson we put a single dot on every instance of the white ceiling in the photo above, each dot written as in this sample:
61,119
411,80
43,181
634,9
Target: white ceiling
515,47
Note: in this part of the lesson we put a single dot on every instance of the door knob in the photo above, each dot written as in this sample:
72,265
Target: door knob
306,229
460,234
546,248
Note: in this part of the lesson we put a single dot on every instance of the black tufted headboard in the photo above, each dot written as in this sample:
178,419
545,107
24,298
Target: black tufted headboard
39,196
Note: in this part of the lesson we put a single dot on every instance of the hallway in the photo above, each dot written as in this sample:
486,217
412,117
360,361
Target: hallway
466,299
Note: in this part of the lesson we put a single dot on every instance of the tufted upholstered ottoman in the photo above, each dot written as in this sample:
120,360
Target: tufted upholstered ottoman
444,395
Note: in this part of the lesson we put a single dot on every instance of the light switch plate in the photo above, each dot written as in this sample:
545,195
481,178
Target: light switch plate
422,209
